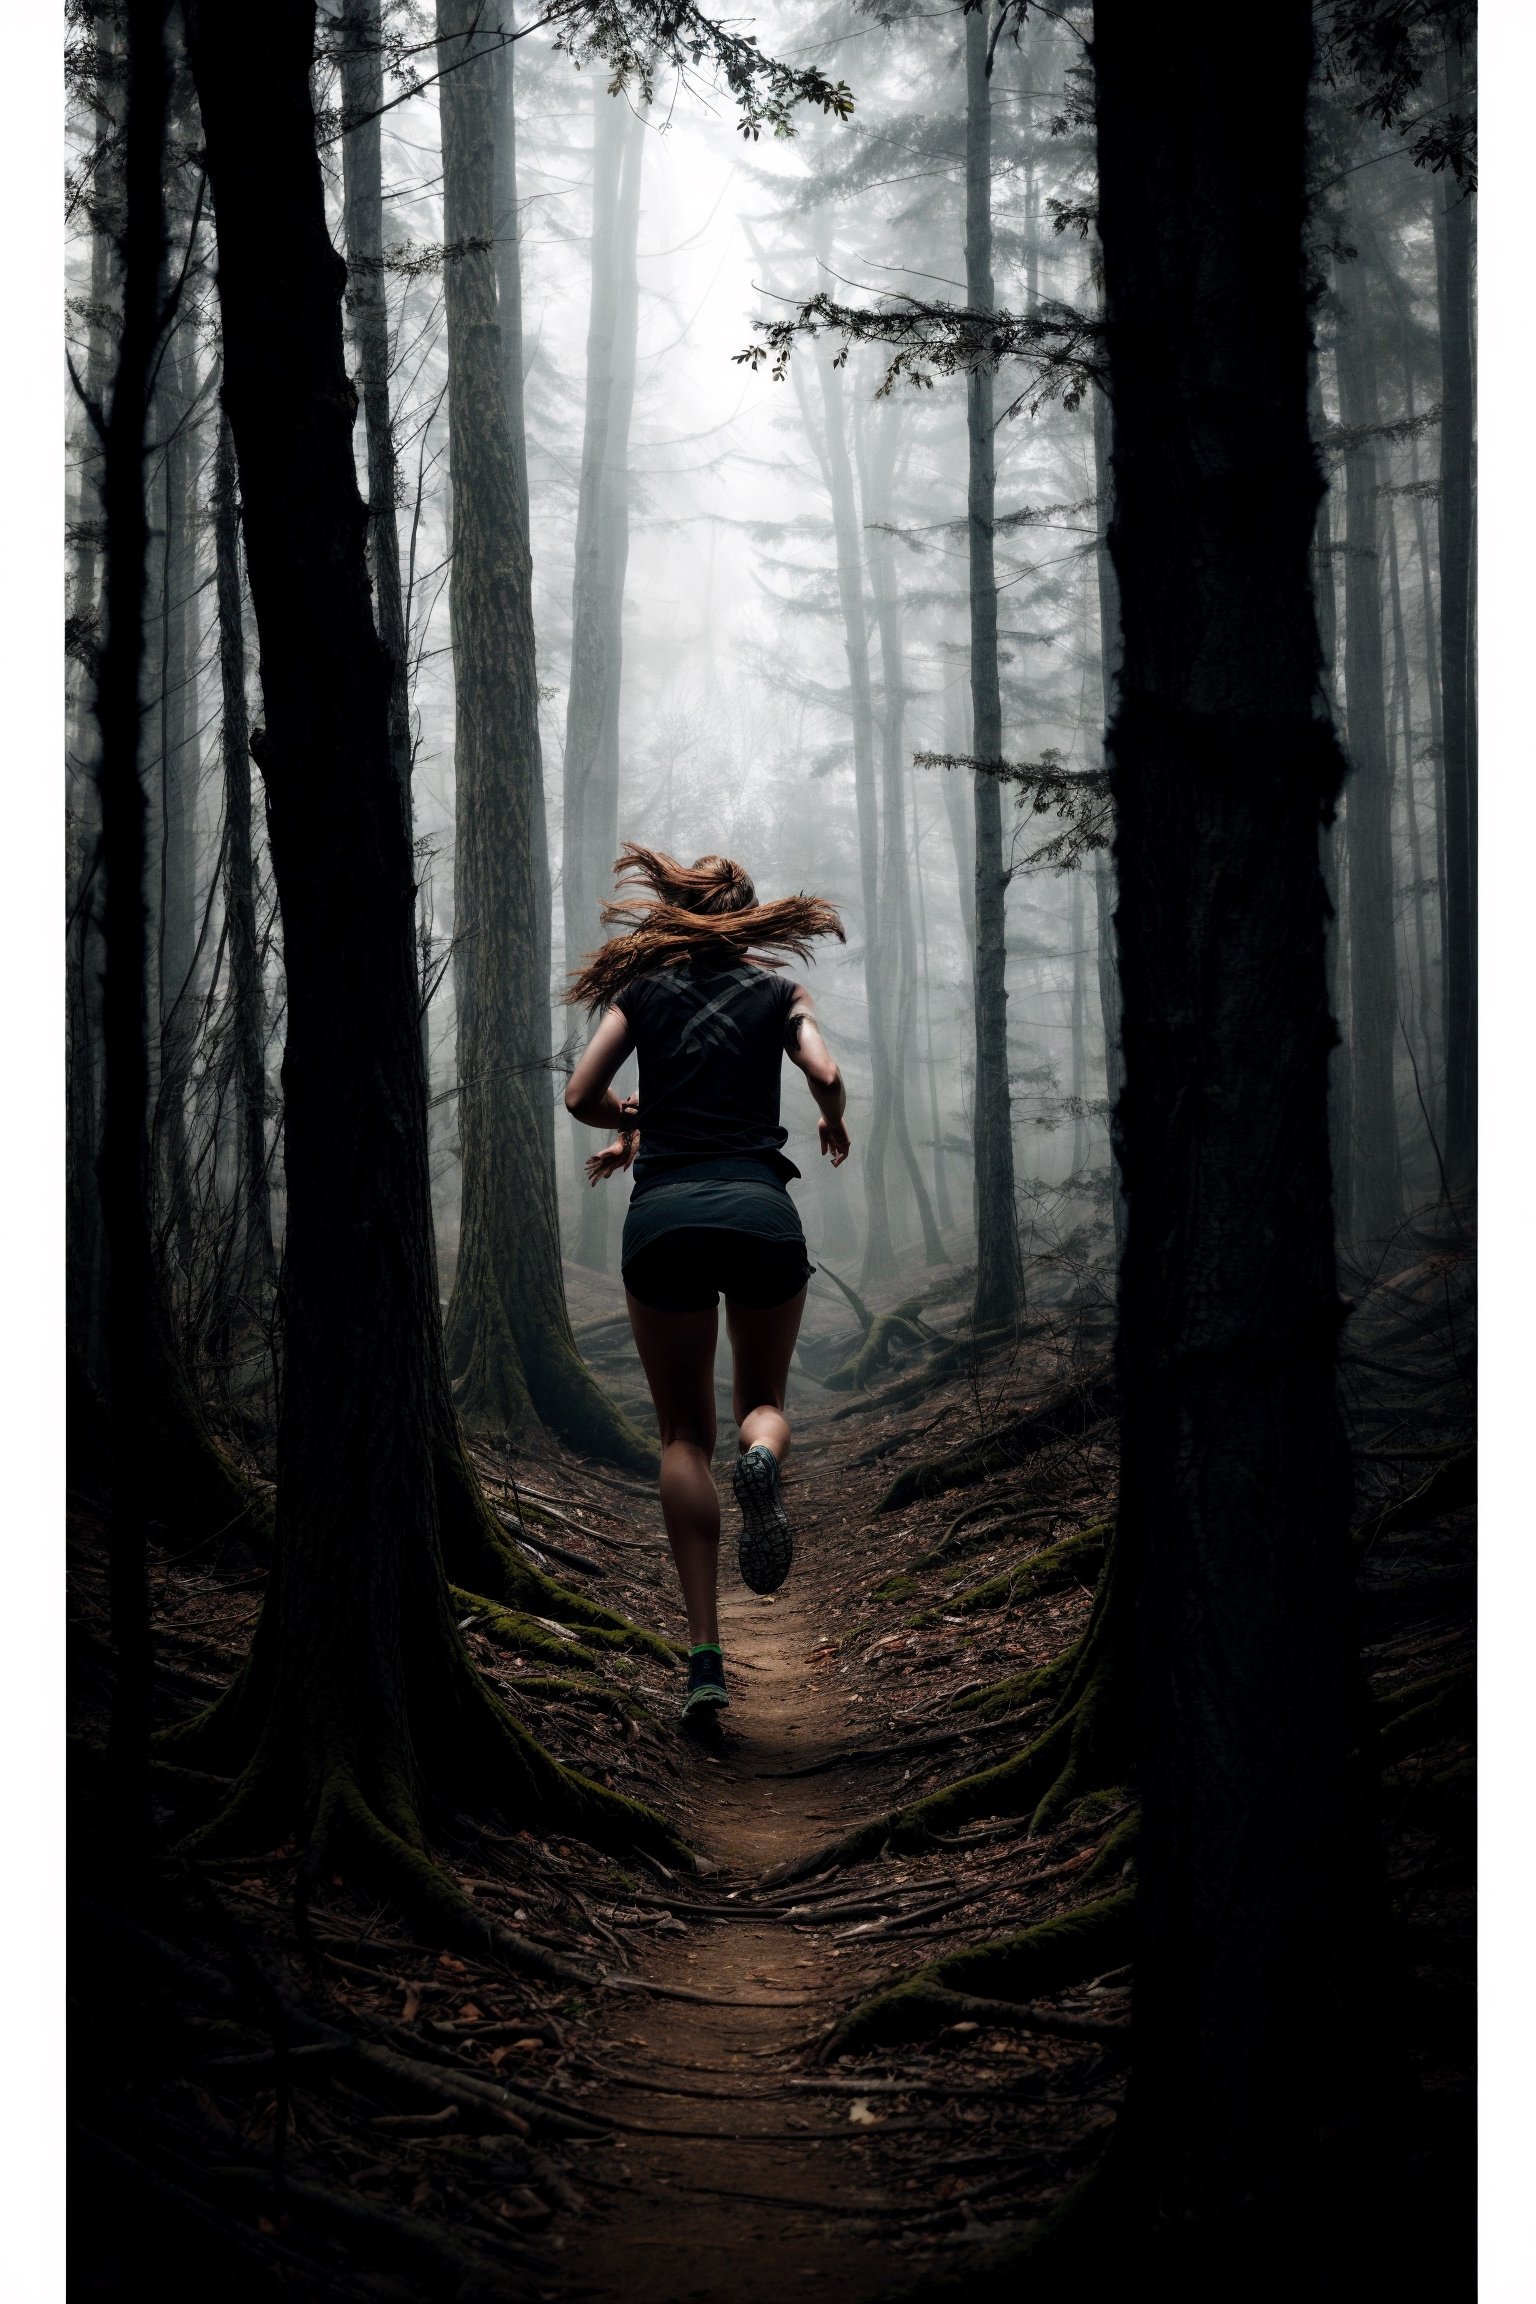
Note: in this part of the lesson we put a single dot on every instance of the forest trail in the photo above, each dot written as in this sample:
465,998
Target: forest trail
766,2192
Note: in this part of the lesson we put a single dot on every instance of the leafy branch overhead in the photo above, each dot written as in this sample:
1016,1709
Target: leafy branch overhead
1080,797
1383,50
634,39
1062,346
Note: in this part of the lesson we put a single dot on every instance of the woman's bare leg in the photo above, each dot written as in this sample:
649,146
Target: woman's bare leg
762,1342
677,1352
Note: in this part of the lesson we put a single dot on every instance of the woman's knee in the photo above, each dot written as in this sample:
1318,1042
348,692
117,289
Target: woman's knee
688,1431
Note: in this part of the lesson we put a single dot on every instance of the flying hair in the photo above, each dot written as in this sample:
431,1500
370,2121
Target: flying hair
707,910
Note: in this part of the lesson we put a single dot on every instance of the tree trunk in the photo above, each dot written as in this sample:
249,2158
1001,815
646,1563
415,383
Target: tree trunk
591,810
257,1266
1372,941
176,910
946,1213
897,955
999,1299
510,1346
85,1281
358,1693
1458,657
1076,931
362,95
1235,1482
1402,676
124,1165
509,310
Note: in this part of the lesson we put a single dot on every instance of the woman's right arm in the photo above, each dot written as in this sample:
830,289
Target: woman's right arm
805,1047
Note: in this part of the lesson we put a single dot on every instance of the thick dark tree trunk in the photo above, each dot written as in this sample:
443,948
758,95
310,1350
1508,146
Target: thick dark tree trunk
999,1267
358,1690
1234,1485
256,1266
509,1338
362,92
1372,938
591,804
1458,656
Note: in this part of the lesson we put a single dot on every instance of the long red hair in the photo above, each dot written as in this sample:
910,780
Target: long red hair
704,910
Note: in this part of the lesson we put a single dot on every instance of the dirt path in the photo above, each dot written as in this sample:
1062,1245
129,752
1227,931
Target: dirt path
760,2198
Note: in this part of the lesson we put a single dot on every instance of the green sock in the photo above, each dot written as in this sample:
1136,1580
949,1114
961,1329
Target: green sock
706,1648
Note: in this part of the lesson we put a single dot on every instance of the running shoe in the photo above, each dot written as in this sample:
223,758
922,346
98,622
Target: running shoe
706,1685
766,1545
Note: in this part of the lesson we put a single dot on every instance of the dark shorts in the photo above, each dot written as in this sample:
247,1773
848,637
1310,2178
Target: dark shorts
688,1270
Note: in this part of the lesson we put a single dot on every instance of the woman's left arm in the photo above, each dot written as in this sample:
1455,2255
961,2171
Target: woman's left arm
589,1098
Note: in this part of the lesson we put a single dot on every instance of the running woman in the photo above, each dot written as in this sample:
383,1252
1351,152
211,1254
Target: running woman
691,987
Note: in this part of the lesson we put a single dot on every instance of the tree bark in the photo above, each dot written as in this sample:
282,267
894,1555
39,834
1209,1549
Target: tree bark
1458,656
1234,1483
1106,959
176,910
362,95
1330,851
897,955
510,1346
257,1267
999,1298
83,954
591,804
1372,941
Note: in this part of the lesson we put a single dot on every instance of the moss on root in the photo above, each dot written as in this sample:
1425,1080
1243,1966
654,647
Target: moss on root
1073,1561
1016,1969
480,1558
1017,1689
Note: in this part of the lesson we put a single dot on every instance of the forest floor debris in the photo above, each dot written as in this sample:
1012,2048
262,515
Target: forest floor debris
296,2098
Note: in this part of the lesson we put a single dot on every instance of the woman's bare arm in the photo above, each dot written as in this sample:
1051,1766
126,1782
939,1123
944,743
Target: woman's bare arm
805,1047
588,1096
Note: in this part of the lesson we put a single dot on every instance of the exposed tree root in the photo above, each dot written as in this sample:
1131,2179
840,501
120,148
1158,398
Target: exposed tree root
1074,1560
509,1629
1450,1486
964,1352
885,1332
1424,1713
1042,1961
481,1559
1086,1748
1080,1408
1012,1693
507,1385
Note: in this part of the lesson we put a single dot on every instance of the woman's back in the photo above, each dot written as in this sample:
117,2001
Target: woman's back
710,1040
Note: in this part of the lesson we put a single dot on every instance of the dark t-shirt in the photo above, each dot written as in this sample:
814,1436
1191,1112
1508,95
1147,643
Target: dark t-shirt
710,1042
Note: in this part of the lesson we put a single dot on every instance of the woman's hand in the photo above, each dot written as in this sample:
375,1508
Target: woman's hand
616,1156
834,1139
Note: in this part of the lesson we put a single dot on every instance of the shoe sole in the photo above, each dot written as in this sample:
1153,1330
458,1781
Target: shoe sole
703,1703
766,1545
